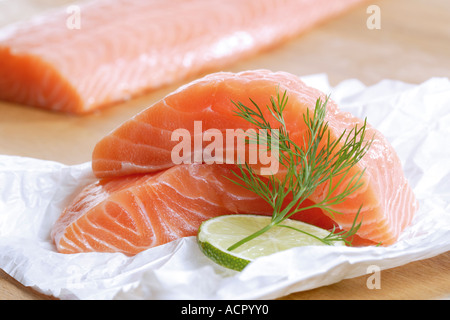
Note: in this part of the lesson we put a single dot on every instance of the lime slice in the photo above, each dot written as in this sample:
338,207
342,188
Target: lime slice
216,235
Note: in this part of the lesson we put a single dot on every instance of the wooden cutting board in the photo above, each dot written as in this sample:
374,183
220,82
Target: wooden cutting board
412,45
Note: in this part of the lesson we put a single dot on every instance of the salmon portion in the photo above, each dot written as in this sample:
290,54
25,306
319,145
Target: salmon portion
124,48
143,144
133,213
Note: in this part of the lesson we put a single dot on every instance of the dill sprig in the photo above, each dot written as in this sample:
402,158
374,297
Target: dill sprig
319,160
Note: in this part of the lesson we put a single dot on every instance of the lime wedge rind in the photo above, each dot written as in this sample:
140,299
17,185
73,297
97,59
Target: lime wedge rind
229,261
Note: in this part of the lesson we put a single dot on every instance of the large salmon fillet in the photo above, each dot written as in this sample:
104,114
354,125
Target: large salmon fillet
133,213
143,144
127,47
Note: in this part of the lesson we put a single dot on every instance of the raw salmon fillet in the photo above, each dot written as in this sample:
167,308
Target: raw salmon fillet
124,48
143,144
133,213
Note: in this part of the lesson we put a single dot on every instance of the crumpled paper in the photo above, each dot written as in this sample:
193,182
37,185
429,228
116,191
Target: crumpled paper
414,118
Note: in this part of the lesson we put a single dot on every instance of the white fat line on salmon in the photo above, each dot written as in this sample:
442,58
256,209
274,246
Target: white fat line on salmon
192,150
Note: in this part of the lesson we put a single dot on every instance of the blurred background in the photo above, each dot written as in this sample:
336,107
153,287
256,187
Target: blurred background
411,45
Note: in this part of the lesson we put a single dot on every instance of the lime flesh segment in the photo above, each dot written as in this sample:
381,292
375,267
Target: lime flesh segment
216,235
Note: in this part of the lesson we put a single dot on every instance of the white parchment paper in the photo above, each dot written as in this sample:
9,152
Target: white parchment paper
414,118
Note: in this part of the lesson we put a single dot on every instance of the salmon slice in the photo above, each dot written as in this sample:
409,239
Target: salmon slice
143,143
134,213
124,48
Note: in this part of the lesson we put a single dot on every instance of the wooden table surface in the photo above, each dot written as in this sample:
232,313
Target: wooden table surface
412,45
